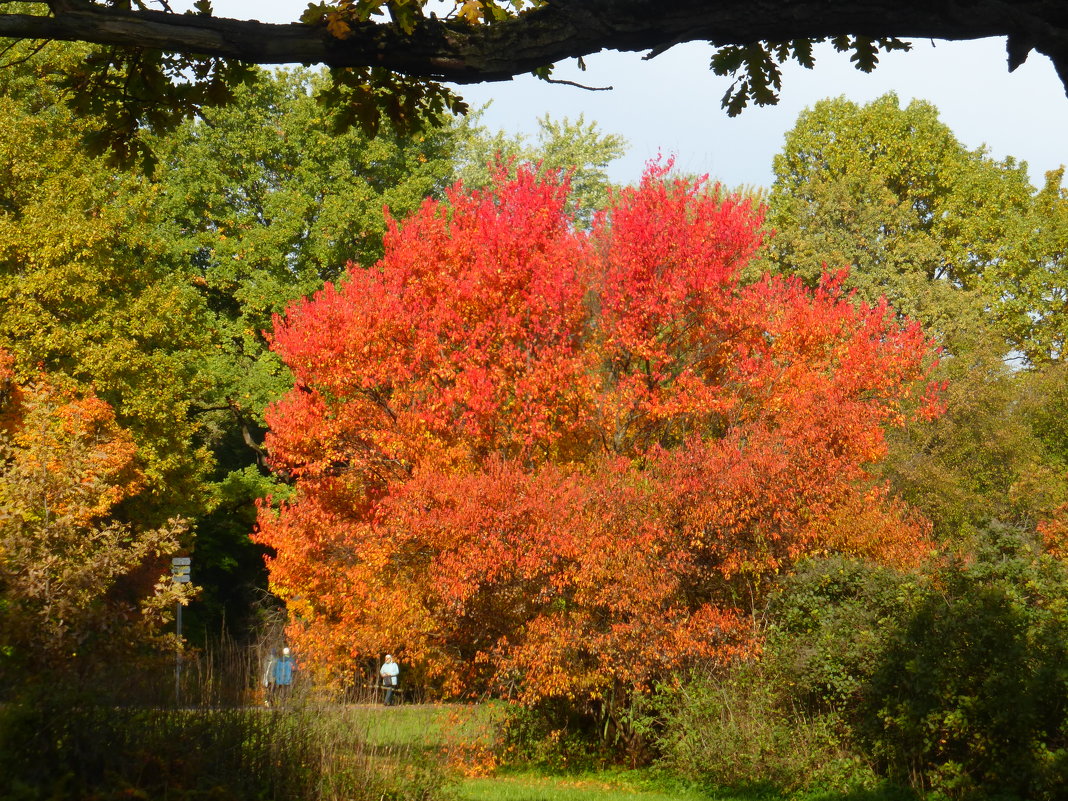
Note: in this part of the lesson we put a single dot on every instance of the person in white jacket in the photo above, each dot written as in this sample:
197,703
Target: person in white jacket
389,673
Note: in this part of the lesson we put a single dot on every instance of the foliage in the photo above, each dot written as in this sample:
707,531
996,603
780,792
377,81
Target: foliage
738,729
785,721
949,678
152,291
73,581
947,234
969,699
1041,295
87,291
1044,402
561,464
756,67
989,457
963,243
389,59
265,203
577,148
260,204
826,631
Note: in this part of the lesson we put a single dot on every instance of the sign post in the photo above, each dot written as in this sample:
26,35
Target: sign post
180,567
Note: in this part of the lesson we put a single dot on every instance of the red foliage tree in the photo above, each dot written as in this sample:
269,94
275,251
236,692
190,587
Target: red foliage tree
564,464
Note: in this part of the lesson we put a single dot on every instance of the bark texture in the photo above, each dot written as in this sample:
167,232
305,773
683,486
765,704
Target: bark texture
453,51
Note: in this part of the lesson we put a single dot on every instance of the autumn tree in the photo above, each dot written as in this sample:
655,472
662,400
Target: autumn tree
564,464
73,580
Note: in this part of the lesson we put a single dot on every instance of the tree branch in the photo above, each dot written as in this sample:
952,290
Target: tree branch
453,51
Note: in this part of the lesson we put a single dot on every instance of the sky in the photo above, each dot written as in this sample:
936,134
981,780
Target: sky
671,104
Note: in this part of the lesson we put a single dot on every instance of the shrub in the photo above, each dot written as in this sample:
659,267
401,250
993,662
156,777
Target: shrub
971,696
738,728
827,627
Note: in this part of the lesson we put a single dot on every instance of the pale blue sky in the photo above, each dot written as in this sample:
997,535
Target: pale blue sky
671,104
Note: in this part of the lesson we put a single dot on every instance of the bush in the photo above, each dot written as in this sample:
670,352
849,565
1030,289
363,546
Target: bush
970,699
785,721
828,626
952,680
552,735
739,729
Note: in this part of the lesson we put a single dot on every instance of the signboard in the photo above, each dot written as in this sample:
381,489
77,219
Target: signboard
180,567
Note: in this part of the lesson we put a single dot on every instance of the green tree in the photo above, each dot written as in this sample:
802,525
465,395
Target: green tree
577,147
984,459
1037,299
893,194
87,291
264,202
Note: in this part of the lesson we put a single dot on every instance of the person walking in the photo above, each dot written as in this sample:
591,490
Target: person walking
390,672
278,677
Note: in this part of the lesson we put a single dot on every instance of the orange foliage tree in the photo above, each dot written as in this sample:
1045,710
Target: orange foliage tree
64,467
565,465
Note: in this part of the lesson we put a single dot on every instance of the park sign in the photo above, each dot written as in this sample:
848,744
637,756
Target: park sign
180,566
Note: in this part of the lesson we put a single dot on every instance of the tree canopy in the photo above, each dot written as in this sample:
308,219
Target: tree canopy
564,462
387,56
951,236
966,245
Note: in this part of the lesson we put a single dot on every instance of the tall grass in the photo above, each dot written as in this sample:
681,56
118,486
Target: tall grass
139,735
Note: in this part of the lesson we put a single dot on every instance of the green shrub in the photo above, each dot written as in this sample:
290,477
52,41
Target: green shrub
551,736
737,728
970,699
827,627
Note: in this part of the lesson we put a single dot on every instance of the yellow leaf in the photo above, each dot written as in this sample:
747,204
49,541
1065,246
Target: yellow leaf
472,11
338,27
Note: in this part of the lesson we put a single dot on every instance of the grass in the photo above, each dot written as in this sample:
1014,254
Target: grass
427,725
639,786
607,786
447,729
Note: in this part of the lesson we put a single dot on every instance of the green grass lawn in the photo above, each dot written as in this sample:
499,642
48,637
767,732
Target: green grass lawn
591,787
638,786
422,725
438,729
